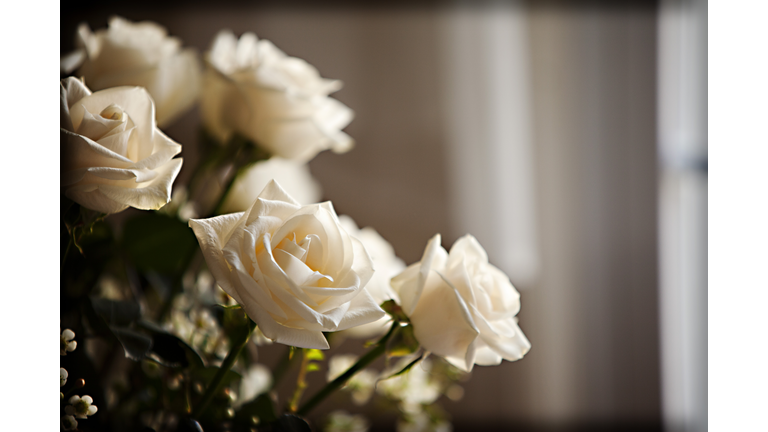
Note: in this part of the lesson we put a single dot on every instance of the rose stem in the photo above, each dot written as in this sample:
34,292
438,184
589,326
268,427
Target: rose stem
66,252
301,382
282,367
240,159
217,209
229,361
378,350
247,154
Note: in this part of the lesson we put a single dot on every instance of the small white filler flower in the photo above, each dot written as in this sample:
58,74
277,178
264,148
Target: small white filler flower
63,374
81,407
67,344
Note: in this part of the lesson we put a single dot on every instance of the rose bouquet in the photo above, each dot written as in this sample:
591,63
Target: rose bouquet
175,302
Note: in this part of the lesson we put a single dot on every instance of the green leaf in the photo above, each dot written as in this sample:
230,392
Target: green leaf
313,367
262,408
291,352
233,307
158,242
402,343
407,367
287,423
394,310
314,354
169,350
116,313
206,376
111,318
188,425
136,345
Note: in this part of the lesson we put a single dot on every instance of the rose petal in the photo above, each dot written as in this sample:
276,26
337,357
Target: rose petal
164,149
75,89
274,192
300,338
96,126
297,139
99,175
80,152
252,291
362,310
133,100
151,195
510,347
485,355
410,289
91,197
468,249
212,234
449,332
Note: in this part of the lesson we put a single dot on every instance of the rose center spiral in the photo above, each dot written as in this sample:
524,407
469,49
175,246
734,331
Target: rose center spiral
299,260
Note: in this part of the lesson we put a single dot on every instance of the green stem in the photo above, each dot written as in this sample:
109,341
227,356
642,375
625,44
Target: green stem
282,367
247,153
378,350
301,383
66,253
229,361
227,188
70,391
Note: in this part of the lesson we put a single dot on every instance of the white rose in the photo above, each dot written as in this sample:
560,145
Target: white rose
252,88
462,308
112,154
294,177
386,266
292,268
138,54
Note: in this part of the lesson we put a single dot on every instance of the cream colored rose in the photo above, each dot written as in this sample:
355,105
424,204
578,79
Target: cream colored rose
252,88
462,308
293,176
293,268
386,266
138,54
112,154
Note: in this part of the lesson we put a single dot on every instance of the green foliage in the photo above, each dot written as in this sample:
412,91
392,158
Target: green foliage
286,423
158,242
205,376
170,351
85,251
407,367
259,411
116,313
136,345
121,319
402,343
395,311
314,354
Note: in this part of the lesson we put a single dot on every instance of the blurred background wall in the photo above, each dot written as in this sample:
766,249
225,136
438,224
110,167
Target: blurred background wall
536,127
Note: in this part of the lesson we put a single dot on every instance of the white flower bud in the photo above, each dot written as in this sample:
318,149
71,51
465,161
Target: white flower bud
68,423
67,344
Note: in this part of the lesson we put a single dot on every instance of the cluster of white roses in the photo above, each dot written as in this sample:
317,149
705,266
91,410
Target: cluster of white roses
296,268
298,273
113,154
